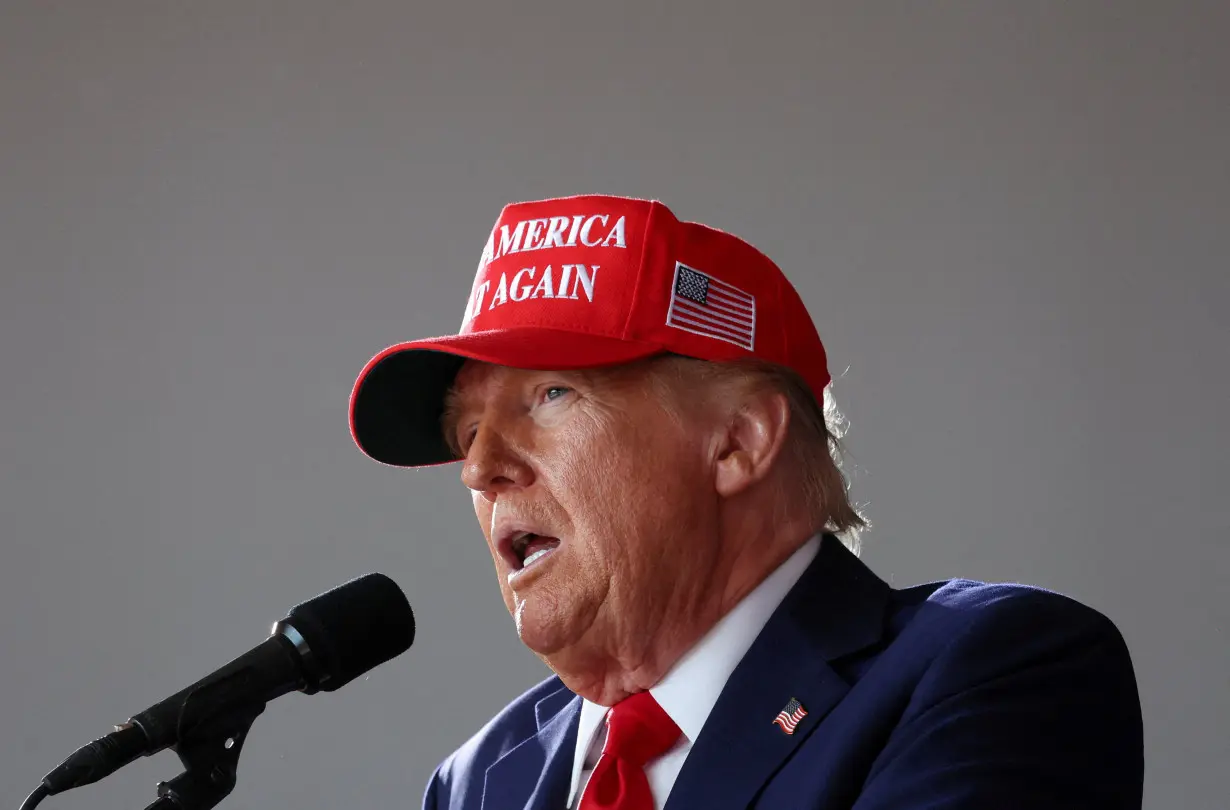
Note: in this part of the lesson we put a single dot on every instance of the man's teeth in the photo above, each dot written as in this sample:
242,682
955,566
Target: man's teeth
542,552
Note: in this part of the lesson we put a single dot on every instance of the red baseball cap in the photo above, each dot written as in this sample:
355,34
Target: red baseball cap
581,282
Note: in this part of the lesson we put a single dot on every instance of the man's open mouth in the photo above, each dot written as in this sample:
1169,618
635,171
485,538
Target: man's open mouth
529,547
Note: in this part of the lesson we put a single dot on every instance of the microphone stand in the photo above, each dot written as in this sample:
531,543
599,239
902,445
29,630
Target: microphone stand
210,754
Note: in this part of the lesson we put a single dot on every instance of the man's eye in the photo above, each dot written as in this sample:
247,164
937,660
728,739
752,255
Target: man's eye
554,392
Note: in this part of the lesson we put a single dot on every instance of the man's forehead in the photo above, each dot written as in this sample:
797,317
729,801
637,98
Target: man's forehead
471,379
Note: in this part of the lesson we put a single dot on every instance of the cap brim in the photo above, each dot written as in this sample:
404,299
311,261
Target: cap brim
398,399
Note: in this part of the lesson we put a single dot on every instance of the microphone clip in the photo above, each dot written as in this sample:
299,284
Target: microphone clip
210,754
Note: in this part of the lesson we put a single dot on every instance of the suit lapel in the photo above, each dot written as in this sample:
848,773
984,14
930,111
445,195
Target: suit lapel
535,774
836,608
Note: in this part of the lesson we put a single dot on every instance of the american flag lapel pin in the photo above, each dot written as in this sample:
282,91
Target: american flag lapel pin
789,717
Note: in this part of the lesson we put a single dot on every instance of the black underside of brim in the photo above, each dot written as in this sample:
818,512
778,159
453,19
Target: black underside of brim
397,408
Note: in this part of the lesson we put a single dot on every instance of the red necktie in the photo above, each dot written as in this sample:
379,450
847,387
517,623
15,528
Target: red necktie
638,732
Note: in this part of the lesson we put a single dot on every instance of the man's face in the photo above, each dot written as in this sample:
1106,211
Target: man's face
597,505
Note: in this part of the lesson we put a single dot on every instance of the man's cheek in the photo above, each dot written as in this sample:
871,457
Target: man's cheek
482,513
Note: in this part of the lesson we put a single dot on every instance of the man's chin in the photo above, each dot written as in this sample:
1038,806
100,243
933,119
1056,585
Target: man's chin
543,636
548,627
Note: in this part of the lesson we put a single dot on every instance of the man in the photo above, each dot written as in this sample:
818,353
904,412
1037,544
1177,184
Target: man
637,403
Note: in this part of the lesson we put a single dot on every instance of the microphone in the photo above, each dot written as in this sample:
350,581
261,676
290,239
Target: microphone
321,645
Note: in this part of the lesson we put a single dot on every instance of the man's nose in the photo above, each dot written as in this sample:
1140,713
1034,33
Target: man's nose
493,465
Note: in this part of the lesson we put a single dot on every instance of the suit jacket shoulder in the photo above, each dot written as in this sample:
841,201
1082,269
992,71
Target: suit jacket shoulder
460,774
959,631
1007,695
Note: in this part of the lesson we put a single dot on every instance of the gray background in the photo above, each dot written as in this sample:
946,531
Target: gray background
1009,221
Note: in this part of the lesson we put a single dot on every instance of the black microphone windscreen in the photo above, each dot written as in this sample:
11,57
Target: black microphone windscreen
354,627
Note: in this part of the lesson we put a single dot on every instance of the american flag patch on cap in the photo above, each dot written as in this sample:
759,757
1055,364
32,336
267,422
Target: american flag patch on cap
705,306
790,716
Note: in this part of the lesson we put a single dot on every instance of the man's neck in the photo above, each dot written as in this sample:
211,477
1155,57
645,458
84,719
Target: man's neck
636,664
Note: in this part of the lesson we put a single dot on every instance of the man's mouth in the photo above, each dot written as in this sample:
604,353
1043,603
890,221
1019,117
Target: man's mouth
530,548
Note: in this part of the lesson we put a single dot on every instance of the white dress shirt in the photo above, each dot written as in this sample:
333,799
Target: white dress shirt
687,693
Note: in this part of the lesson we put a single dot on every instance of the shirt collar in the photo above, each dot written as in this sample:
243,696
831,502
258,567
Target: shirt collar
690,689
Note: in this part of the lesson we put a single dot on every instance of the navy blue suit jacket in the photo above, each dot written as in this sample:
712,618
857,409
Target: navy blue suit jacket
958,695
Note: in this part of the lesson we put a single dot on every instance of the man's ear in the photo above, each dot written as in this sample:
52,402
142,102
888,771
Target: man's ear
754,437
